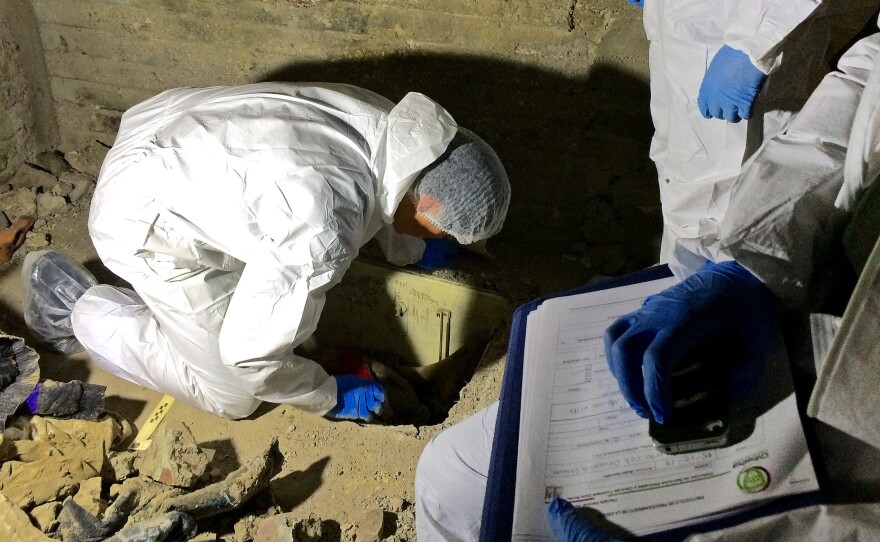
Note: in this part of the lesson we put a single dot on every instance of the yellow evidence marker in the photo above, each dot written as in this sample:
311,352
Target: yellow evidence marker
142,440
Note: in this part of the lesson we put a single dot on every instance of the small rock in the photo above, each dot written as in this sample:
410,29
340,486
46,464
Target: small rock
48,205
76,177
46,515
15,524
88,159
80,191
53,162
245,528
40,222
4,221
397,504
371,527
89,496
123,464
289,528
19,202
62,189
37,241
82,184
31,177
174,458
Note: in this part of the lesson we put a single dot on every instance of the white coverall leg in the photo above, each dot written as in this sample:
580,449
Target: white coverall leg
451,479
697,159
150,338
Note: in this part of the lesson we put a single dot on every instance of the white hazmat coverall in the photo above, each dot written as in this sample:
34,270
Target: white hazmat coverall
698,159
795,192
231,211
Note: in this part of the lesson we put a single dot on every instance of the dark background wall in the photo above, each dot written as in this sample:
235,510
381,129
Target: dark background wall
557,87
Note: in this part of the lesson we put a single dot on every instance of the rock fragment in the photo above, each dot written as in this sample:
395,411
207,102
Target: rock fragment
371,526
53,162
75,523
239,487
293,528
19,202
89,496
83,439
81,184
37,241
62,189
31,177
45,516
174,458
88,159
168,526
49,204
123,464
15,525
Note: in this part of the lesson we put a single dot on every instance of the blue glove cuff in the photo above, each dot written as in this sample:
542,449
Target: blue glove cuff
439,253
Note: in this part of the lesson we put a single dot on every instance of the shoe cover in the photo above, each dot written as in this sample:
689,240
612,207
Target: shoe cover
52,285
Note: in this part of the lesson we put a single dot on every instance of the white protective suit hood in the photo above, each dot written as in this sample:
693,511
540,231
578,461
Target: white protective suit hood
232,210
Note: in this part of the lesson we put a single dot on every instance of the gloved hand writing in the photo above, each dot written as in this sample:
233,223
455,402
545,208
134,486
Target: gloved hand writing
722,309
357,399
730,86
439,253
568,526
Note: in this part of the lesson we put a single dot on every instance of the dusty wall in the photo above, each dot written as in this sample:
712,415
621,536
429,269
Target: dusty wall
17,129
559,88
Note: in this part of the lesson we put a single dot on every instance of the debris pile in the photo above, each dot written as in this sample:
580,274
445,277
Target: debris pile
73,480
49,186
66,473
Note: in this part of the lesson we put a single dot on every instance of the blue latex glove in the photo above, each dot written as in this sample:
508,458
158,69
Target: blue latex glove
357,398
640,3
730,86
439,253
722,312
568,526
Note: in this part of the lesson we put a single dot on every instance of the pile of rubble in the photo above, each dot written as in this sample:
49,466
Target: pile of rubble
66,473
72,480
50,185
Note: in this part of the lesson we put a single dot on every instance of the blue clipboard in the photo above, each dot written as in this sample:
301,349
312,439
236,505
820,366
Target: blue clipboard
497,520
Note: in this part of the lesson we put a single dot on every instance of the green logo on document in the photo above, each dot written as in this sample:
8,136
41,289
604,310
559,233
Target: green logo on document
753,479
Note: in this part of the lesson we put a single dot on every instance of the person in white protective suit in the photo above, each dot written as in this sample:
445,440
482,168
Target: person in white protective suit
232,210
714,64
790,202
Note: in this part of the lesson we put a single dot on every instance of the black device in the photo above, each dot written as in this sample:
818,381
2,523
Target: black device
700,419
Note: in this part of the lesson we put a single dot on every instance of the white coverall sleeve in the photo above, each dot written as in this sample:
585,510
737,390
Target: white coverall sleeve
276,306
758,28
400,249
783,210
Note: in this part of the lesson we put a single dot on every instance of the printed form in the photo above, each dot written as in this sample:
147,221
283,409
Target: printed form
580,440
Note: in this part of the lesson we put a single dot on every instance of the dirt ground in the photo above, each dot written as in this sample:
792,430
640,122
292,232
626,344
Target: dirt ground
336,471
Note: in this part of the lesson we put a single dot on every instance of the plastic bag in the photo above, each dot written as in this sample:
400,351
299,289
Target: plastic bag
52,285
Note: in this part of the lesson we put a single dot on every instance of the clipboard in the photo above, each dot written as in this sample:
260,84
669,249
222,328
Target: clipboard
498,504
